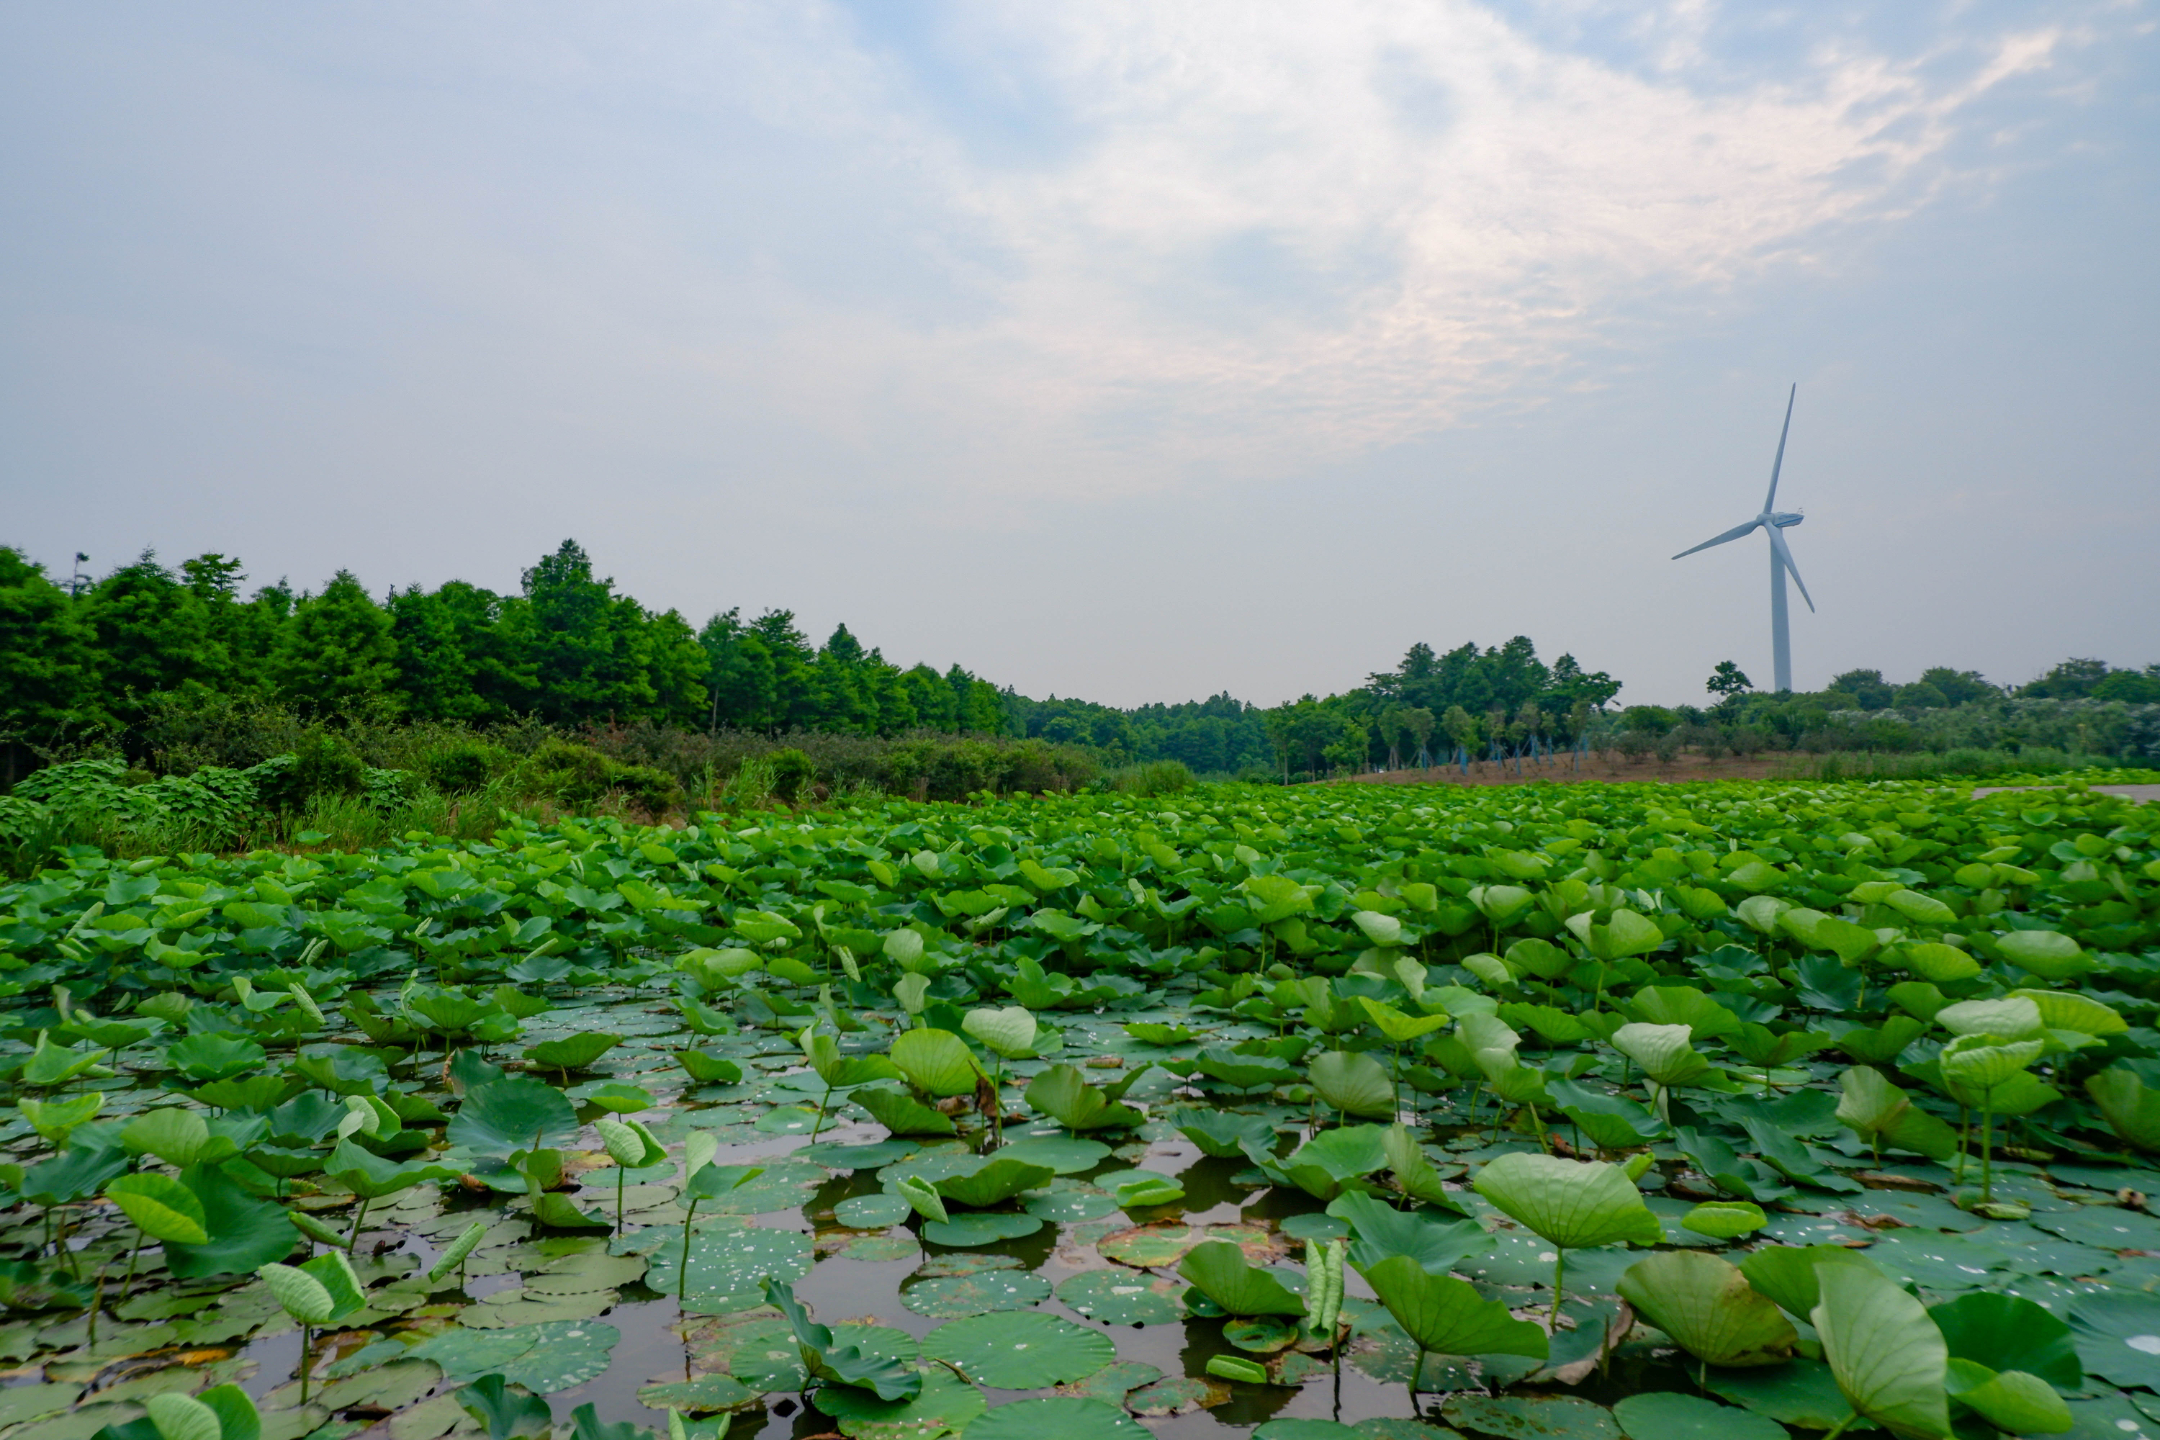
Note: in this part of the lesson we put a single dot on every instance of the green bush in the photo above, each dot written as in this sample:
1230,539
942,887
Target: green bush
1154,777
652,791
465,767
792,772
569,774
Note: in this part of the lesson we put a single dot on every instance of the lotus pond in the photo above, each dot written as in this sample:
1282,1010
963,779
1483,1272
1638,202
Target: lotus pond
1724,1110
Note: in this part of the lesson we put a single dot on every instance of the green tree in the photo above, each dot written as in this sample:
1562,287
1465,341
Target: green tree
153,635
48,663
1462,728
1958,687
1728,681
1867,688
1419,722
2071,679
337,653
592,654
1393,727
454,662
2130,686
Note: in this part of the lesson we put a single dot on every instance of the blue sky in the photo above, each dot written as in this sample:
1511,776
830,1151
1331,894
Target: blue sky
1122,350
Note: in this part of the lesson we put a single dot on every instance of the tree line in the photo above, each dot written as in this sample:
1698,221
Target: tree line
570,650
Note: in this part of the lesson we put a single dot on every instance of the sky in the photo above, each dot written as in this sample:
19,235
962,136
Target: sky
1120,350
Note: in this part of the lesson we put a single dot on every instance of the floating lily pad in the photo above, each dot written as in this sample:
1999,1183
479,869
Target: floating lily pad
391,1387
1150,1247
2118,1337
1122,1297
1317,1225
1295,1429
783,1186
859,1157
1027,1350
881,1249
787,1120
702,1396
1260,1334
1063,1154
1669,1415
19,1403
1531,1417
730,1262
508,1309
2108,1227
1178,1395
1074,1202
991,1290
563,1354
963,1231
872,1212
1799,1392
1056,1418
466,1354
965,1264
945,1403
1113,1382
767,1357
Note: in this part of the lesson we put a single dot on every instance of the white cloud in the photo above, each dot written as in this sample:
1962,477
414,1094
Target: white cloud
1286,234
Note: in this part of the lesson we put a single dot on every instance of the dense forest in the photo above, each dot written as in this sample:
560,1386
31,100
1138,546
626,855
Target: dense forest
105,664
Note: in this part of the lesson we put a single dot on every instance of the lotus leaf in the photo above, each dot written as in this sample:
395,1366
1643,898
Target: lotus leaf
1706,1304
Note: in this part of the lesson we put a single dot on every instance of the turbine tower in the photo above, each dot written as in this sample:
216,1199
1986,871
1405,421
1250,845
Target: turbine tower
1770,522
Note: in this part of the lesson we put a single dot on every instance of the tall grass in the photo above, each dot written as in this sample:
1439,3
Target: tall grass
1152,777
1961,764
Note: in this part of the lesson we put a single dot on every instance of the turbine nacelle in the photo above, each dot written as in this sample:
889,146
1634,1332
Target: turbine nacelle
1782,518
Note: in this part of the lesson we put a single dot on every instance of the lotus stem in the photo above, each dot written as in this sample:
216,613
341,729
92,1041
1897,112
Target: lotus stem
1987,1152
352,1241
682,1273
1839,1428
622,1178
1559,1274
306,1337
96,1305
127,1287
1417,1368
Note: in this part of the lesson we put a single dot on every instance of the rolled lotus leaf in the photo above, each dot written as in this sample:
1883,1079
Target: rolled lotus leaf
2009,1018
1448,1316
183,1417
1888,1358
1665,1052
2047,953
1384,930
1010,1031
1706,1304
2132,1110
1938,962
1975,1062
1574,1204
298,1293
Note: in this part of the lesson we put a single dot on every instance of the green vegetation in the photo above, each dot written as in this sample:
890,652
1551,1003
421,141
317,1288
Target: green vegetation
1849,1090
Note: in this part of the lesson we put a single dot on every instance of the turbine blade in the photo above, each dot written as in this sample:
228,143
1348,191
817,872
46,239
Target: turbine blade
1784,554
1770,500
1733,534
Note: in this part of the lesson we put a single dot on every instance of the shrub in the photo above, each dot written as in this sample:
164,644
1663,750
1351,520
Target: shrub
792,771
569,774
1155,777
652,791
321,764
465,767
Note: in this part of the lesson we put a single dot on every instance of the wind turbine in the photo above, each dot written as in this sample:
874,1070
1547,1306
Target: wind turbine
1770,522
